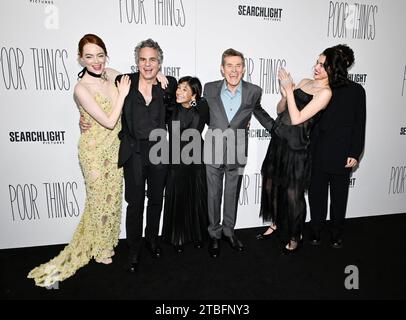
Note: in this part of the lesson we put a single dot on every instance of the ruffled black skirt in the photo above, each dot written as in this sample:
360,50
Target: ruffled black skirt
285,178
185,213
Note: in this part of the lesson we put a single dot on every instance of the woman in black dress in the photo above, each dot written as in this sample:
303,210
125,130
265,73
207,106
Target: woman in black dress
286,168
185,213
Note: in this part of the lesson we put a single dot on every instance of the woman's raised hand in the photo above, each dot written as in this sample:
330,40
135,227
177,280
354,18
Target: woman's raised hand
285,81
123,85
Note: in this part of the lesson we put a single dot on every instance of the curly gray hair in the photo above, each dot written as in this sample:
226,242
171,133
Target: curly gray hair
149,43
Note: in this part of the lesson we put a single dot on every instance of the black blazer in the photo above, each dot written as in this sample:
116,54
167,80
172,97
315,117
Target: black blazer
340,133
127,135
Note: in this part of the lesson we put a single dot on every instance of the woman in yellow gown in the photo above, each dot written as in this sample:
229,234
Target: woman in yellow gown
100,103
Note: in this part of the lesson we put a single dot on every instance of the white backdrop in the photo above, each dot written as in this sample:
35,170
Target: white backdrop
41,189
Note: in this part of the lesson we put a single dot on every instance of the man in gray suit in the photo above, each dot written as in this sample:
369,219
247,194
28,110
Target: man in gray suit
232,102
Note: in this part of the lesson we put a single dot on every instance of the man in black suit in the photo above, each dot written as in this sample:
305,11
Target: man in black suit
144,111
338,142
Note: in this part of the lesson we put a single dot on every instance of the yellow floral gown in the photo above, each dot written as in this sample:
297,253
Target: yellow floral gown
99,228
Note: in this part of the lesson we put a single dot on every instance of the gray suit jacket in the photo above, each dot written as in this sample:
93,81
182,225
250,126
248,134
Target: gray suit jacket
233,152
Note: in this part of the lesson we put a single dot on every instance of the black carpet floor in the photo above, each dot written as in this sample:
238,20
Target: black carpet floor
375,245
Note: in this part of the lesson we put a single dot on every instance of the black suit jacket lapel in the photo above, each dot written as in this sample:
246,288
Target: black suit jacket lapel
129,103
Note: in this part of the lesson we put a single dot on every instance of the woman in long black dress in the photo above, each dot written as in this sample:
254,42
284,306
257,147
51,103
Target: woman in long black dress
185,213
286,168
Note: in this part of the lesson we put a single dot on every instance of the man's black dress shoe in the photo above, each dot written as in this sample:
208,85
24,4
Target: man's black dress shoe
179,248
198,245
337,242
315,238
214,248
235,243
154,249
133,267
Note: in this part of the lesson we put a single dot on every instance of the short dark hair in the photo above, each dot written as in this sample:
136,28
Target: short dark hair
194,83
232,53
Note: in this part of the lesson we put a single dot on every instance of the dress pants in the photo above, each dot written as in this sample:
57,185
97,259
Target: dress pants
215,178
318,197
154,176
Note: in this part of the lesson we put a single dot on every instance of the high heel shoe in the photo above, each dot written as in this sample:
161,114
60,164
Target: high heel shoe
287,251
263,236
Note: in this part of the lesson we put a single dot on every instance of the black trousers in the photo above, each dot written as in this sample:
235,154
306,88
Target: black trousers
155,177
318,197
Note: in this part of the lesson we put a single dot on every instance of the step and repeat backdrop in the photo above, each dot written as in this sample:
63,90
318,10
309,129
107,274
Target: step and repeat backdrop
42,191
